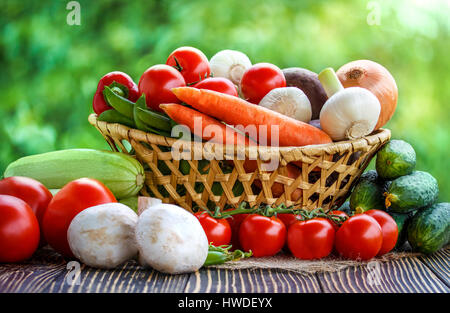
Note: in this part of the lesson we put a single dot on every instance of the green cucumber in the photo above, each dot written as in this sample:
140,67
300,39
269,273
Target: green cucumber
112,116
367,194
410,192
121,104
429,229
402,220
345,207
396,158
121,173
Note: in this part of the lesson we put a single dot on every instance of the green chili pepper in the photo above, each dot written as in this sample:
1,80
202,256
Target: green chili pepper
216,257
121,104
112,116
221,254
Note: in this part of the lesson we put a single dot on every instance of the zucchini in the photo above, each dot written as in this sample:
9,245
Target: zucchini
121,173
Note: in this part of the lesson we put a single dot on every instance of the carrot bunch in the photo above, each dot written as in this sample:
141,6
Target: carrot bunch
211,107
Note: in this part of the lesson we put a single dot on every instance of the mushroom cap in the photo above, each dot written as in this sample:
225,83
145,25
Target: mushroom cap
103,235
171,240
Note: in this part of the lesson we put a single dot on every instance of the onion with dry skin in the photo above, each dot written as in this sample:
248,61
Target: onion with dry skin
377,79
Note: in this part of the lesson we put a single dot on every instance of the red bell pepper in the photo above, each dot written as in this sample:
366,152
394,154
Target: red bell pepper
121,83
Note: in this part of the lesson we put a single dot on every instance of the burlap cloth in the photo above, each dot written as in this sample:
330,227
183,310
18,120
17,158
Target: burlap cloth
288,262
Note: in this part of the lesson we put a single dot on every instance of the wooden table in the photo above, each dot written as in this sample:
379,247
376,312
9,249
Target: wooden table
47,272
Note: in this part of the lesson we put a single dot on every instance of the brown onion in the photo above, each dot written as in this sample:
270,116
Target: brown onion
377,79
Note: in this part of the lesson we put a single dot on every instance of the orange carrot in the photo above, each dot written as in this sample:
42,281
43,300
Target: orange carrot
235,111
187,116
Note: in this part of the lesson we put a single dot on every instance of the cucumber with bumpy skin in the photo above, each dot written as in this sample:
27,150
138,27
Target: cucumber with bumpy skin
121,173
429,229
410,192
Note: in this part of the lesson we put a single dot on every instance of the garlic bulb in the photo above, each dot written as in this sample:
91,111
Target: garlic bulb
348,113
290,101
230,64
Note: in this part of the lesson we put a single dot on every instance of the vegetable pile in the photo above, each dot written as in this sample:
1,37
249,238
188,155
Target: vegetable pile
84,203
408,195
232,90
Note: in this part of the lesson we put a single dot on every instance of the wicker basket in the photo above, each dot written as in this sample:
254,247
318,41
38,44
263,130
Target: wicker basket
328,171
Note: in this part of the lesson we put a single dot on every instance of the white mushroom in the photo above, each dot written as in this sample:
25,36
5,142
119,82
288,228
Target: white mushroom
170,239
103,236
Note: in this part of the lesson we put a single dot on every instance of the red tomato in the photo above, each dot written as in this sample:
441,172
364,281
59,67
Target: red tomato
73,198
339,213
264,236
311,239
288,218
35,194
218,231
259,79
235,222
19,230
156,83
191,62
359,237
389,230
219,84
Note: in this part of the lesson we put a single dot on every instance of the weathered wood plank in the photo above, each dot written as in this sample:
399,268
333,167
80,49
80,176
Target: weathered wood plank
439,264
130,278
47,272
251,281
402,275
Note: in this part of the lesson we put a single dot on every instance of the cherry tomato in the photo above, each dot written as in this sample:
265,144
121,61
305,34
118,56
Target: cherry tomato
35,194
338,213
264,236
73,198
191,62
259,79
359,237
19,230
218,231
219,84
235,222
156,83
288,218
389,230
311,239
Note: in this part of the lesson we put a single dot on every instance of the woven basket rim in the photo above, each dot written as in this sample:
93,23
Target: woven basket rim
380,135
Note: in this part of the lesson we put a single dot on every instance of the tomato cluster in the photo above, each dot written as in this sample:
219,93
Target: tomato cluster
185,66
188,66
29,214
359,237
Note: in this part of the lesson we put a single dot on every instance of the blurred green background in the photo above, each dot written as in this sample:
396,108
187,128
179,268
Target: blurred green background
49,69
